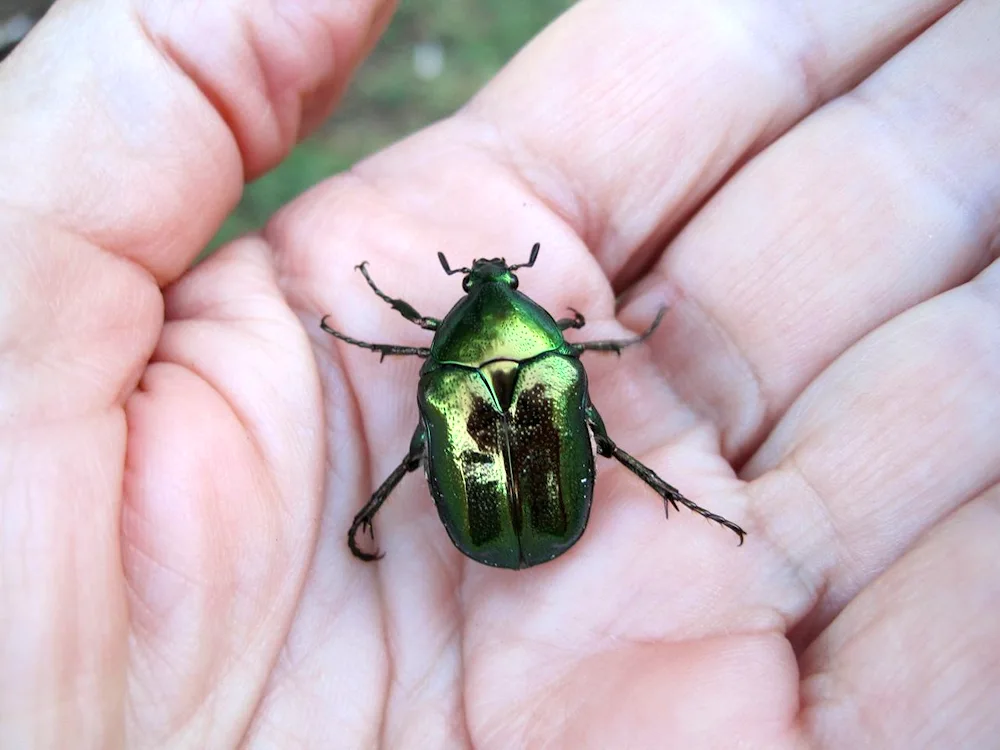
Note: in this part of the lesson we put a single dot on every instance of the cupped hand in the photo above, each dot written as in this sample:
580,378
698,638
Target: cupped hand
813,191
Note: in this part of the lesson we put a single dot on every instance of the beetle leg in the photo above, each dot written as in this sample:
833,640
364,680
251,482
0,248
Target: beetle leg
403,308
577,321
616,345
363,520
671,495
383,349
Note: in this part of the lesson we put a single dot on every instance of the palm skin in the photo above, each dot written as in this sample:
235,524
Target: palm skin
183,468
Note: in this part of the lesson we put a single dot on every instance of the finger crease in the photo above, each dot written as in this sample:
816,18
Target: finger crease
978,209
826,551
755,406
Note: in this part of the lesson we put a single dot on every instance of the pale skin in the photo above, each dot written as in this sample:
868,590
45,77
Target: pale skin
813,192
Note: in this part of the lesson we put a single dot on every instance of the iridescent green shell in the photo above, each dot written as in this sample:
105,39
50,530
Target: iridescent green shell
503,403
494,322
511,469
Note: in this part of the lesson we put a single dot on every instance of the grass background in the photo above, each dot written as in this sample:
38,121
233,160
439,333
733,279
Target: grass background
388,99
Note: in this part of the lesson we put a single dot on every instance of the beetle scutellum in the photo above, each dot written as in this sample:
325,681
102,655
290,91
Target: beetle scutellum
505,423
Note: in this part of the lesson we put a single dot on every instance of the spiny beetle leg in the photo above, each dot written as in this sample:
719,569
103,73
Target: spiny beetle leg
616,345
577,321
363,520
402,307
383,349
607,448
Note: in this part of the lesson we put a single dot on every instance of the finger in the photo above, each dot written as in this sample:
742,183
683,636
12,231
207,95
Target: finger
147,171
912,662
224,479
630,113
118,170
63,634
171,106
894,436
881,199
336,630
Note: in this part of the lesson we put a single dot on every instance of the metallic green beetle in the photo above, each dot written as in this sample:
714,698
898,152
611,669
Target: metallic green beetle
505,423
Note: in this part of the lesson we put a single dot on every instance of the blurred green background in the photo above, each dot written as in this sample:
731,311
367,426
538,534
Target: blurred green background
433,57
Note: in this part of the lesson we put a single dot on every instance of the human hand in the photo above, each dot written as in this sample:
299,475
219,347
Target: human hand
179,471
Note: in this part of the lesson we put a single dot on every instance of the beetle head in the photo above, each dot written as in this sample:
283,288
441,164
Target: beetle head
489,270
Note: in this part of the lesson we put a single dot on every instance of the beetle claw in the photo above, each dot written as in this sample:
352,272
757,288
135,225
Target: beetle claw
740,533
367,527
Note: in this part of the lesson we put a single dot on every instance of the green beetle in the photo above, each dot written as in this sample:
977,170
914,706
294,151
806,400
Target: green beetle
505,423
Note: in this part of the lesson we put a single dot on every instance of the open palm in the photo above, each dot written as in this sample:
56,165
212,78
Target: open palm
813,193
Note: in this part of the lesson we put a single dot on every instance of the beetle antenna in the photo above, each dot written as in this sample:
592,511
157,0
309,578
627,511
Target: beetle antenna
531,261
448,269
